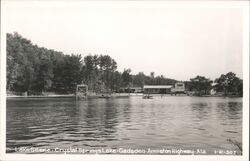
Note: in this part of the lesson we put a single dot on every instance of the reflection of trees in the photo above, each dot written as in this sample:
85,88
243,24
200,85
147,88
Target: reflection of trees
39,119
124,107
101,119
201,110
109,119
126,113
234,108
67,120
231,110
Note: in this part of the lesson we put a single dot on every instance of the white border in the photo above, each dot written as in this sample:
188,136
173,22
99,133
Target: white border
3,84
245,132
244,5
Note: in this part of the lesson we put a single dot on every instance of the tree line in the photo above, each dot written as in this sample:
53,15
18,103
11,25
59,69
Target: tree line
36,69
226,84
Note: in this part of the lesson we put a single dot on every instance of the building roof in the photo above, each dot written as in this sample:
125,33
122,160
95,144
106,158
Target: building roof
157,86
81,85
135,87
131,88
179,83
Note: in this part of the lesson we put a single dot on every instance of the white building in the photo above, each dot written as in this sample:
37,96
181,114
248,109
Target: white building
179,87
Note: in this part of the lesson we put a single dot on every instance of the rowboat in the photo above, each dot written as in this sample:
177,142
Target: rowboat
147,97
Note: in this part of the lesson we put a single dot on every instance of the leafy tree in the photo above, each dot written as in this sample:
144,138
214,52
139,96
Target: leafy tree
107,67
29,67
139,79
36,69
201,85
116,82
229,83
90,71
20,69
126,77
71,75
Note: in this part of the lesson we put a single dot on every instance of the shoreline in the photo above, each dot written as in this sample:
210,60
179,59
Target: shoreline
116,95
40,96
71,95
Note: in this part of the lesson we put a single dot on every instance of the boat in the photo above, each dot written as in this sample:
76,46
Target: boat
105,92
104,96
147,97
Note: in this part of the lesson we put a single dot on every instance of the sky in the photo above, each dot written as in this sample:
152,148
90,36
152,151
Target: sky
179,43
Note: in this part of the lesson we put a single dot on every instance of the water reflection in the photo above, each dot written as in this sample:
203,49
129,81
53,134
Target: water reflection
231,110
201,110
169,122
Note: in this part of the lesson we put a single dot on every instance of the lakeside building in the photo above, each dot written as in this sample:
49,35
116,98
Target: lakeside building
157,89
179,87
213,90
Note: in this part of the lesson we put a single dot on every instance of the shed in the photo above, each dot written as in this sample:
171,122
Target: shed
81,90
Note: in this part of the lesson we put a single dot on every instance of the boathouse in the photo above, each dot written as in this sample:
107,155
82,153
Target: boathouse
157,89
81,90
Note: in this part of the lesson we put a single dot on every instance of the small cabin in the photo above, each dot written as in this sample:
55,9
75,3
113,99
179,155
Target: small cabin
81,90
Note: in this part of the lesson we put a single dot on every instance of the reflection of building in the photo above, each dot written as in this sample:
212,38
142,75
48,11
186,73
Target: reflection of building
179,87
81,90
157,89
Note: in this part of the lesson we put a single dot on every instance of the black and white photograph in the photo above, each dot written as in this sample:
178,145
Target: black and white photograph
124,79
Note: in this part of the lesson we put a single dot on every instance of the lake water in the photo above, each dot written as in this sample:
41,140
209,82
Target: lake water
171,122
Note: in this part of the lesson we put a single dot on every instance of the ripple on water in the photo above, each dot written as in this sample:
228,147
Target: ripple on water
180,122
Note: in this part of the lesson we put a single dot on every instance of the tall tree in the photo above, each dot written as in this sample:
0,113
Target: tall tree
90,70
72,72
126,77
228,83
107,67
139,79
